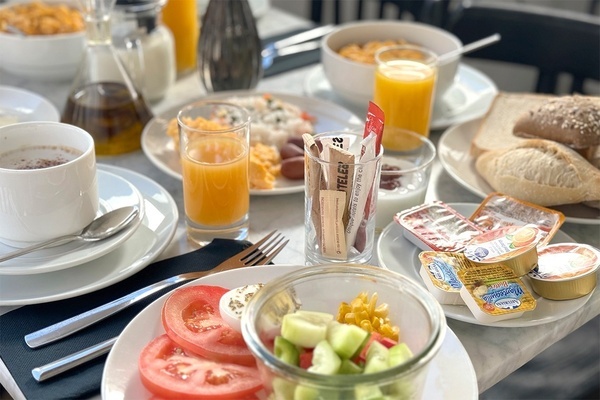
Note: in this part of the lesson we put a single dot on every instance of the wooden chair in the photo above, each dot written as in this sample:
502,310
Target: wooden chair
553,41
434,12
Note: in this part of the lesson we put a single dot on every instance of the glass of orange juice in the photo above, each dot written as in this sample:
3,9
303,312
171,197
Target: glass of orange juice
404,89
181,17
214,148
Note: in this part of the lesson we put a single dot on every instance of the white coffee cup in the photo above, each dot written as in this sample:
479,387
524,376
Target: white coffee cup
39,203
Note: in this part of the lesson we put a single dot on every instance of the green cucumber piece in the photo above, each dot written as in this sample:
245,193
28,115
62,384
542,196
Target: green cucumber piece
349,368
368,392
325,361
377,358
305,328
345,339
399,353
282,388
286,351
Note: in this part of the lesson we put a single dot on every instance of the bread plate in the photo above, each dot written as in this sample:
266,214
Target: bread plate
453,151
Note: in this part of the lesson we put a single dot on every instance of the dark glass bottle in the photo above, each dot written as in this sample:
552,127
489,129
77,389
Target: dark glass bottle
229,49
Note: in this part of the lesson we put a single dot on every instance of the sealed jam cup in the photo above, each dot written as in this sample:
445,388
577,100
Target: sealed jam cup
565,271
513,246
322,289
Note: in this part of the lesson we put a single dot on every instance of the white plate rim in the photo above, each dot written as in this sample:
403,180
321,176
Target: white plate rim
44,110
155,131
465,79
75,253
120,368
393,234
124,266
453,152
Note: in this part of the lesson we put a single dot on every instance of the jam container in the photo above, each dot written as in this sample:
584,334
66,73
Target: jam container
436,226
493,293
498,210
513,246
438,271
565,271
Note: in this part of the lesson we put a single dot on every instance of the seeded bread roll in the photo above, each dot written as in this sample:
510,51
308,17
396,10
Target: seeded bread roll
571,120
542,172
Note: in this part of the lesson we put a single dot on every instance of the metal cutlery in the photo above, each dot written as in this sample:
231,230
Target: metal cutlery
275,49
262,252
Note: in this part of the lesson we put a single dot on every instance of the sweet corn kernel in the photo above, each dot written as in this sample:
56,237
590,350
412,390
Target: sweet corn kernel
364,312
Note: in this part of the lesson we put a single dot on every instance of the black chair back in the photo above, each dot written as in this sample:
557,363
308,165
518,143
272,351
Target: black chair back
553,41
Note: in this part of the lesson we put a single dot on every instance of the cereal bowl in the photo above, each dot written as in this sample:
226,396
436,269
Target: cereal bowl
322,289
41,57
354,81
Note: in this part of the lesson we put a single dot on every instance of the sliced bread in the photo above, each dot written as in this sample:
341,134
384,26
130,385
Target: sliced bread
540,171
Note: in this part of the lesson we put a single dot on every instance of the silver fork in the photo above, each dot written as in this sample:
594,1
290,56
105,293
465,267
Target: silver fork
262,252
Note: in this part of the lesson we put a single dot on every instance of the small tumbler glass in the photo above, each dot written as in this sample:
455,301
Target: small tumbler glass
340,199
214,146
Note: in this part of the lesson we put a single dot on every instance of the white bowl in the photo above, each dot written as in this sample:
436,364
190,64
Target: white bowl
354,81
42,57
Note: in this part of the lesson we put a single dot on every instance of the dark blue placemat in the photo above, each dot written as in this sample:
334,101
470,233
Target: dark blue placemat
84,381
293,61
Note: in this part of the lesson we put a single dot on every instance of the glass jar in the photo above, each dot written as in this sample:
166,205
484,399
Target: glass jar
138,26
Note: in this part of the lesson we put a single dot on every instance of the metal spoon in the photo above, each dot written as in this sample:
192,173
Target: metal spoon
101,228
478,44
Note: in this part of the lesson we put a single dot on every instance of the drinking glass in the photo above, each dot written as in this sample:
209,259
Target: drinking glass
340,200
404,177
214,149
404,89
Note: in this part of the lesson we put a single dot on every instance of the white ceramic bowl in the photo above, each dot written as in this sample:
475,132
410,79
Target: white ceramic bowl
353,81
42,57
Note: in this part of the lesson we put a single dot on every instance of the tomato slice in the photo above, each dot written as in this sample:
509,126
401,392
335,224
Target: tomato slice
168,371
192,319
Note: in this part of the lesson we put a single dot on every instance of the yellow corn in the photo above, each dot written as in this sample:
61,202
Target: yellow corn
364,312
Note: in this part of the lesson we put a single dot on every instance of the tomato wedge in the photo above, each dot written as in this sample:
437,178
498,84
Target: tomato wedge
168,371
192,319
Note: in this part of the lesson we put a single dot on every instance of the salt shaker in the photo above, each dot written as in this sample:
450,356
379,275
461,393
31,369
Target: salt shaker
229,48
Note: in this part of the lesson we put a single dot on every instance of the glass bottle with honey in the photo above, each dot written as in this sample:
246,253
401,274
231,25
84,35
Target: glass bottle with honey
103,99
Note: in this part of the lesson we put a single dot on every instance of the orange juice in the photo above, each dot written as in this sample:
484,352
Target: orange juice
181,17
215,180
404,89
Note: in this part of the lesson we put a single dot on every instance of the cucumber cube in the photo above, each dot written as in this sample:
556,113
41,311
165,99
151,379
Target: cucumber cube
325,361
345,339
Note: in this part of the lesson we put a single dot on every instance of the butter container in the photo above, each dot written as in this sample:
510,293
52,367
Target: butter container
493,293
436,226
498,210
565,271
513,246
438,271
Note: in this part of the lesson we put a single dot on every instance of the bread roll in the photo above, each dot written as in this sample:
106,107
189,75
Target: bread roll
541,172
571,120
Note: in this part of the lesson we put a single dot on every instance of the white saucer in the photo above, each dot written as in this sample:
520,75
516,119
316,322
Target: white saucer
450,374
19,105
469,97
115,192
147,242
400,255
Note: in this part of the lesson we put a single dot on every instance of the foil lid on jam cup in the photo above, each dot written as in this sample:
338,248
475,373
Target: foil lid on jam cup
513,246
498,210
436,226
565,271
493,293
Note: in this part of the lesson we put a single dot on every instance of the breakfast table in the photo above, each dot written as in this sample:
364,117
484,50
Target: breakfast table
495,352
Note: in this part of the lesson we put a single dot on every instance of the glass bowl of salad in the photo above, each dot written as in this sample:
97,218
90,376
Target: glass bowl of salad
343,332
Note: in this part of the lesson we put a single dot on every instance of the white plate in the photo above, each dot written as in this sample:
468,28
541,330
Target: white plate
453,152
19,105
398,254
114,192
159,147
469,97
451,374
147,242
